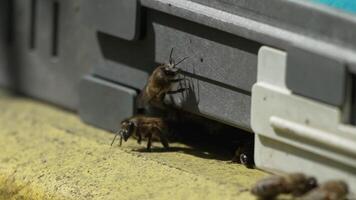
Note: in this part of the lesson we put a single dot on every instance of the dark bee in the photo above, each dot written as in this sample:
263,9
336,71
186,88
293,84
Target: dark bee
160,84
331,190
295,183
244,153
150,128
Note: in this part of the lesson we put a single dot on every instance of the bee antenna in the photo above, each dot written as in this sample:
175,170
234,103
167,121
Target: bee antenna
113,140
181,61
170,56
118,133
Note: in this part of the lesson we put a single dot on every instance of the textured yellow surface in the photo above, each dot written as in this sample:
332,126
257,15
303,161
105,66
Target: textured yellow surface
48,153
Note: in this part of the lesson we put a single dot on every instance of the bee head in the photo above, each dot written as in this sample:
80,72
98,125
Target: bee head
125,132
127,128
171,68
312,183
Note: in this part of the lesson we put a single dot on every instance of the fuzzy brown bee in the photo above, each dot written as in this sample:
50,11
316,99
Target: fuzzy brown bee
295,183
151,128
160,84
331,190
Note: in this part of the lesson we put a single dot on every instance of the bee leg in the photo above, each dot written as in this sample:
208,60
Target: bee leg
237,155
159,132
149,142
164,141
138,135
177,91
177,80
139,139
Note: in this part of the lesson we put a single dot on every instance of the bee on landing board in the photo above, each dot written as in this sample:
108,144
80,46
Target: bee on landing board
242,148
331,190
295,183
244,153
143,127
160,84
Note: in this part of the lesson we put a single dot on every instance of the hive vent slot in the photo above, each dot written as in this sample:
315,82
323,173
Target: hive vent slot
55,28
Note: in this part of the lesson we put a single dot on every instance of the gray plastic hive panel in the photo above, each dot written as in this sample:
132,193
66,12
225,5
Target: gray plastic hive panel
315,76
271,23
214,101
51,50
278,13
105,104
4,42
128,63
118,18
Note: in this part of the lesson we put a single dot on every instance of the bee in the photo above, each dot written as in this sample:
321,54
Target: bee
244,153
243,157
160,83
331,190
295,183
143,127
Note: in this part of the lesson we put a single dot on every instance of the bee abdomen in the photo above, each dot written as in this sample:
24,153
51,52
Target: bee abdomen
270,187
295,183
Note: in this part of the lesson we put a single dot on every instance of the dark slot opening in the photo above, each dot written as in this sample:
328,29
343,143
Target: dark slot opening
55,24
353,100
33,24
10,22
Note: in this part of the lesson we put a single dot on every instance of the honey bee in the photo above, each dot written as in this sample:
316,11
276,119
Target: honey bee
139,126
244,153
160,83
331,190
243,157
295,183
